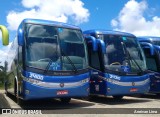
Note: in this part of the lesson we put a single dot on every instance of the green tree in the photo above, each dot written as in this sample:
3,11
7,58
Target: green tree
2,74
3,70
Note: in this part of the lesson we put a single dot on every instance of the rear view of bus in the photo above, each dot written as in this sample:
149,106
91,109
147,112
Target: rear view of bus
151,47
47,60
117,64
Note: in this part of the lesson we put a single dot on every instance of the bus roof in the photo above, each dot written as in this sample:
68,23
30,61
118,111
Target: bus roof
48,22
107,32
148,38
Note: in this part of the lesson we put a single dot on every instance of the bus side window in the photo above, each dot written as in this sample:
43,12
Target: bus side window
150,60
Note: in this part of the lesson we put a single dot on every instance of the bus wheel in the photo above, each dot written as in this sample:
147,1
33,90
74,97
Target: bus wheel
118,97
65,100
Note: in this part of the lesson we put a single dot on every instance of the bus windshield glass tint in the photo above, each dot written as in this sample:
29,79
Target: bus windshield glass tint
54,48
123,54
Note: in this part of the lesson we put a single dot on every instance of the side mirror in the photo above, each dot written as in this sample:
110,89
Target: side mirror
20,37
5,35
91,39
102,44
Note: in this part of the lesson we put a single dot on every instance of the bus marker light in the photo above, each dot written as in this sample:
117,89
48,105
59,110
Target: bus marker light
100,81
133,89
62,92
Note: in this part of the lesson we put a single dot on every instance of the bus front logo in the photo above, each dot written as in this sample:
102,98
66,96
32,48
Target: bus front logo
133,83
61,85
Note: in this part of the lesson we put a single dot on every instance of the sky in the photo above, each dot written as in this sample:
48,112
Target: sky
139,17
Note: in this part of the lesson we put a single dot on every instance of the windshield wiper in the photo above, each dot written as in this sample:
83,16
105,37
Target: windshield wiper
70,61
131,58
50,62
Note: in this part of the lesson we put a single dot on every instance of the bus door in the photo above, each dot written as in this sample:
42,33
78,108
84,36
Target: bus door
97,84
152,61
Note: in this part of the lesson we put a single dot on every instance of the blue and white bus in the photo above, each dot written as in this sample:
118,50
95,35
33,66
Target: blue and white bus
47,60
151,47
117,64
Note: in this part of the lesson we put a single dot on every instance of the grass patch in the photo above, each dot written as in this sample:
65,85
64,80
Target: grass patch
1,85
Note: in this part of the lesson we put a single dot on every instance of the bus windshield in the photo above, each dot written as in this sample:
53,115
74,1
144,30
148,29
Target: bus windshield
123,54
53,48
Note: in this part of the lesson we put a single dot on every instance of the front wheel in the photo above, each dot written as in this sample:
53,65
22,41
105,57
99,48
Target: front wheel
118,97
65,100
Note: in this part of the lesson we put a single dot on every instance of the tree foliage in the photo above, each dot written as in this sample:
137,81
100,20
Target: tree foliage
2,73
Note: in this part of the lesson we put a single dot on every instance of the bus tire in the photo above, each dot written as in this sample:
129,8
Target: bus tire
118,97
65,100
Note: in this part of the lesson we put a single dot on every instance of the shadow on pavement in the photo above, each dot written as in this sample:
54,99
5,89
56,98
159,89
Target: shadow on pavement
149,96
3,102
112,101
52,104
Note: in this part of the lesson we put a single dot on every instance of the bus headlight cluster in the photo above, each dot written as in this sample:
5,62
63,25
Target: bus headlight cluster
85,80
30,80
33,81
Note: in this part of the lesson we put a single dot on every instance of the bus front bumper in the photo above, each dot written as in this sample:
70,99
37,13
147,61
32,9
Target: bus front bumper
60,90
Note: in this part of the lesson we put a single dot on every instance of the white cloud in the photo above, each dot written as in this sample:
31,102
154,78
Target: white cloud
57,10
131,19
3,57
4,53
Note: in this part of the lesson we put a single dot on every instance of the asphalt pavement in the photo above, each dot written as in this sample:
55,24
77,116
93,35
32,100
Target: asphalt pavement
3,102
129,106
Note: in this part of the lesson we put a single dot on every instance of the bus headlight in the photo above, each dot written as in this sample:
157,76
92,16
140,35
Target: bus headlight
30,80
33,81
85,80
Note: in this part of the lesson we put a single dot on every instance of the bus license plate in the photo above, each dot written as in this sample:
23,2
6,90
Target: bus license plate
133,89
62,92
